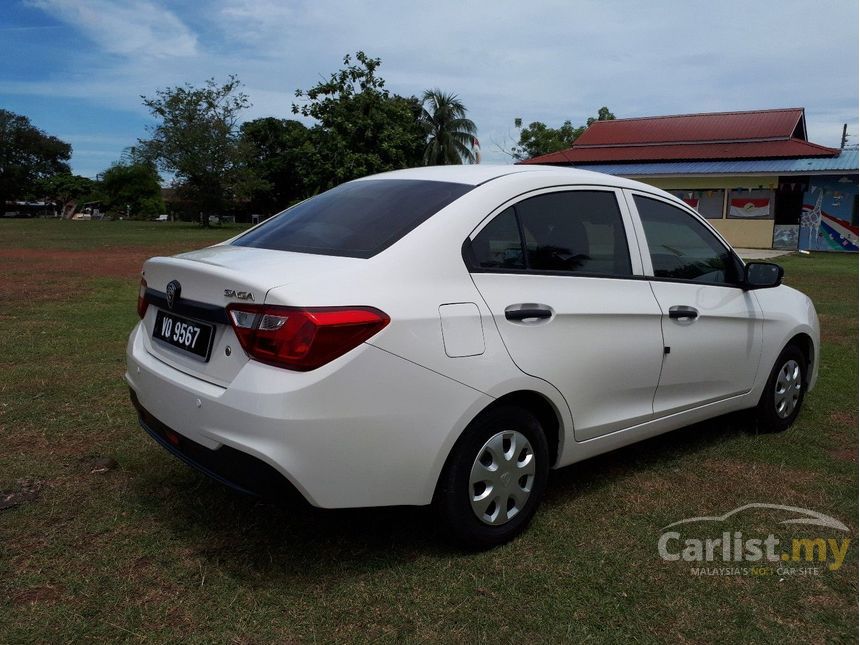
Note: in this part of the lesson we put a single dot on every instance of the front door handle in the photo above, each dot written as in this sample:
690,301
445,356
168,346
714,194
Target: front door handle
527,311
682,312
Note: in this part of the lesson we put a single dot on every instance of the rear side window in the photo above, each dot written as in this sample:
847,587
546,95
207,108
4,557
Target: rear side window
498,245
357,219
575,232
681,247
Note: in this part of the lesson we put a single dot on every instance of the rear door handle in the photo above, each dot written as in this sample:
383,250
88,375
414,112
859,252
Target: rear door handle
682,312
527,311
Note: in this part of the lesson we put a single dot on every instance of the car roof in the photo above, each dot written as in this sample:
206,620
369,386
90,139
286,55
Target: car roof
477,174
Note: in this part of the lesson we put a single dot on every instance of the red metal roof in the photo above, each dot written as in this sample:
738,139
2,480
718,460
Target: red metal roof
758,134
714,126
683,151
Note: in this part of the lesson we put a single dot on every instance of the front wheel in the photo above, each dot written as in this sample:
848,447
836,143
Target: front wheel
783,395
494,479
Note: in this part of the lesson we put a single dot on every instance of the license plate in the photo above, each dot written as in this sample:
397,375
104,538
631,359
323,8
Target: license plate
188,335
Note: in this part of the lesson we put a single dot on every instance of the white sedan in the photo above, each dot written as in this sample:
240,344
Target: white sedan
447,335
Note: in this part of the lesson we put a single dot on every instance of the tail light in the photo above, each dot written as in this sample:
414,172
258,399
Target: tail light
142,302
302,339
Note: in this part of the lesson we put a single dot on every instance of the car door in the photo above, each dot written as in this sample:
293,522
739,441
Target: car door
568,297
712,328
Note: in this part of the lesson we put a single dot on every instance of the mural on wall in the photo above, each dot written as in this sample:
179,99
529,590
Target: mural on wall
785,236
829,220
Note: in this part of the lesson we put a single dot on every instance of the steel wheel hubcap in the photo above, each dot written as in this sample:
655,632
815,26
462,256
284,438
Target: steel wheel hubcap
502,477
788,388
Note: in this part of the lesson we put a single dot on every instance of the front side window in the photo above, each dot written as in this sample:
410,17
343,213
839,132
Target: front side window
357,219
681,247
568,232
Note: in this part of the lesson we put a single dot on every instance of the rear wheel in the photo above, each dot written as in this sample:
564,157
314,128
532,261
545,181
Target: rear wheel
494,479
783,395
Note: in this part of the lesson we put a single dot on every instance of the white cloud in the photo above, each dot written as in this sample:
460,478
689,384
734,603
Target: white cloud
549,60
136,28
256,20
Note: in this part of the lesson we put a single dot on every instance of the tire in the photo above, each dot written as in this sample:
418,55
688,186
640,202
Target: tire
502,455
782,398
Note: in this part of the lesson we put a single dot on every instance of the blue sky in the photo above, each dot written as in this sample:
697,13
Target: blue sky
77,68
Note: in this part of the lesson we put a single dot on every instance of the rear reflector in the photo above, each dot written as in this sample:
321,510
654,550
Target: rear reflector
142,302
299,338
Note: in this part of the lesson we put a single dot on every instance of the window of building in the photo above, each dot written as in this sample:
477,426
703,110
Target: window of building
709,202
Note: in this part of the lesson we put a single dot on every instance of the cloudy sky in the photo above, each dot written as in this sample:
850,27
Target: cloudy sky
77,68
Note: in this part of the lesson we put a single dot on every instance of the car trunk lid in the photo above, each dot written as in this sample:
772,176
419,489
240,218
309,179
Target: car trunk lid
207,281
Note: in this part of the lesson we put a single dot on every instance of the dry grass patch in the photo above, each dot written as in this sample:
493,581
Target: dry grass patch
49,275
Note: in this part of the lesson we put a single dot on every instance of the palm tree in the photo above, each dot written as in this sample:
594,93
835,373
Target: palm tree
450,135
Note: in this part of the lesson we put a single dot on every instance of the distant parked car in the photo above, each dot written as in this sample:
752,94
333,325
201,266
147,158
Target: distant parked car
449,334
162,218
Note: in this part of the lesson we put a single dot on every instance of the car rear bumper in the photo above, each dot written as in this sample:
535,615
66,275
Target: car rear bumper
236,469
368,429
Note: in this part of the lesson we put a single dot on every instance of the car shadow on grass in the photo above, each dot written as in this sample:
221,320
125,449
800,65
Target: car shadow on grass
651,455
249,537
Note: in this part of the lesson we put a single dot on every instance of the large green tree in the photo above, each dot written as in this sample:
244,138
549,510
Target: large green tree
196,139
27,156
132,187
275,150
361,128
450,135
539,139
68,190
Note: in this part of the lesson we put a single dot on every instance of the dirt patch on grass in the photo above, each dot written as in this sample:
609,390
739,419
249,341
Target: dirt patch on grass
37,595
121,262
844,454
841,421
838,329
39,275
844,418
26,490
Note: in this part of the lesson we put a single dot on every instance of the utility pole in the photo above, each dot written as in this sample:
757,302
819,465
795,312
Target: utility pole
844,135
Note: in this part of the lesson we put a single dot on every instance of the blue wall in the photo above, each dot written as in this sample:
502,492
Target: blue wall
829,220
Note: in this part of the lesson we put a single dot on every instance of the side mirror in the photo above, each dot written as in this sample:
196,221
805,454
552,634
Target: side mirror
762,275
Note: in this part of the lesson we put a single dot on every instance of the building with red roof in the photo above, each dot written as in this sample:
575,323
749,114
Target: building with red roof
754,174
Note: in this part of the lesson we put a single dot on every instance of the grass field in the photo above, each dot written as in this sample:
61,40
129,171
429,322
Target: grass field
150,551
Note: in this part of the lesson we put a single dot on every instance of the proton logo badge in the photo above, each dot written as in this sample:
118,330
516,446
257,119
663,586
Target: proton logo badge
173,291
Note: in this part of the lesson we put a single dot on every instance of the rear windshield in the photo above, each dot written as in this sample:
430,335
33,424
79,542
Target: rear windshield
358,219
